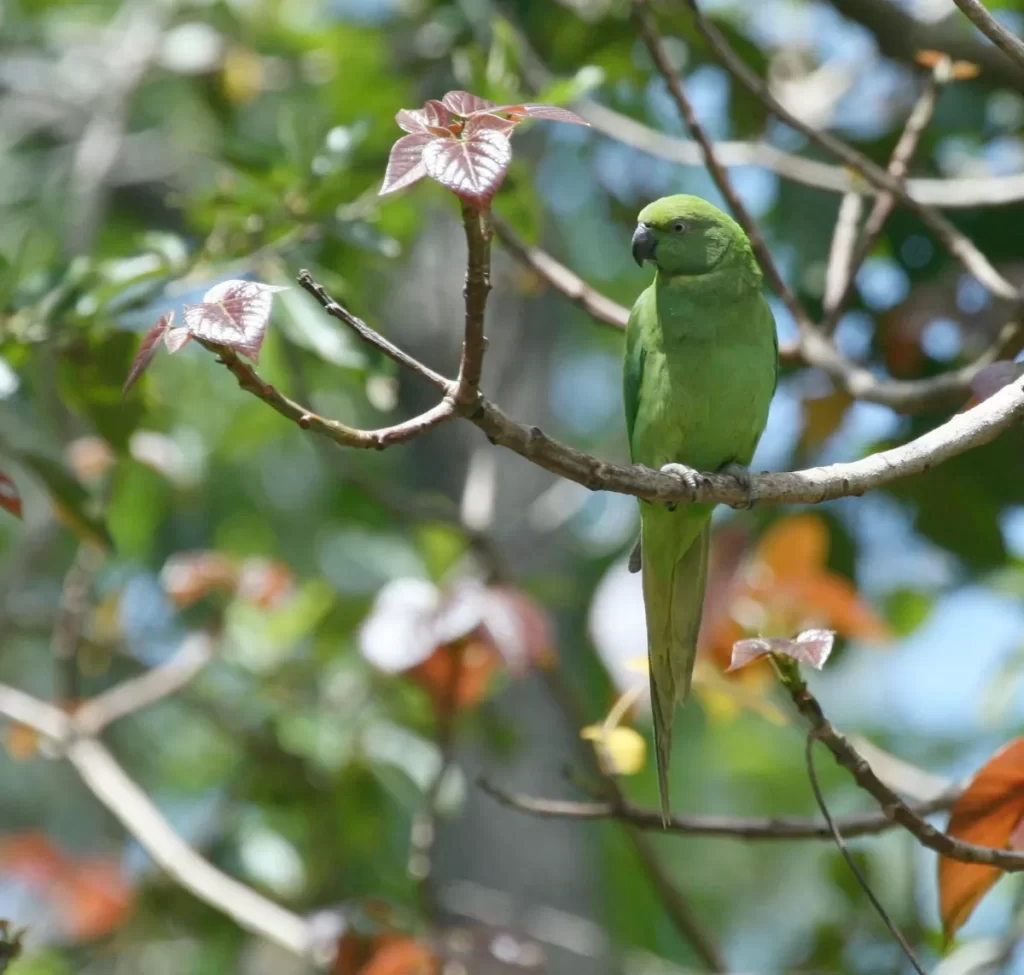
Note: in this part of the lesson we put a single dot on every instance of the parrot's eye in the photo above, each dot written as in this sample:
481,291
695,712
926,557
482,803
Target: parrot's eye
679,227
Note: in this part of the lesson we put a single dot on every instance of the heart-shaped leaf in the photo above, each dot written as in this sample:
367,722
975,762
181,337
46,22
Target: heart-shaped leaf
464,103
415,121
472,169
405,164
147,350
233,314
10,500
486,122
810,647
176,339
550,113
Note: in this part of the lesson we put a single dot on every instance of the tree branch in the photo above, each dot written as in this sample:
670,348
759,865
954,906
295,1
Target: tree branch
956,242
129,804
892,805
729,827
1007,42
839,273
885,202
477,288
953,193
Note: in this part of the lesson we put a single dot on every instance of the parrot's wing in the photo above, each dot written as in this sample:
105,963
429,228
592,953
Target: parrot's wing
633,370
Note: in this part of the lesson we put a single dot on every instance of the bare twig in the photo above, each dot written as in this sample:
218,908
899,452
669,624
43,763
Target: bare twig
892,805
850,862
369,335
477,287
1007,42
956,242
734,827
953,193
885,202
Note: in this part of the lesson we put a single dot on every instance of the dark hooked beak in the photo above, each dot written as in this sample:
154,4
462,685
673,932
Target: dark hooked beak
644,244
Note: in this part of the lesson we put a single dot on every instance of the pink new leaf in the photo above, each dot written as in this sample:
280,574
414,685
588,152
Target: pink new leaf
233,314
473,168
550,113
418,120
464,103
177,338
405,164
147,350
486,122
810,647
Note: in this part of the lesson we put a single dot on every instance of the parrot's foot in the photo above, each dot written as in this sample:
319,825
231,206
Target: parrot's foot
636,558
742,474
688,475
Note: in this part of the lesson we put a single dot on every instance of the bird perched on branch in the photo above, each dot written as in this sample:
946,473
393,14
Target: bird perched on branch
700,371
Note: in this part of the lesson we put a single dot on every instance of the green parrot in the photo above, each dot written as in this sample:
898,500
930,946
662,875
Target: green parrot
701,367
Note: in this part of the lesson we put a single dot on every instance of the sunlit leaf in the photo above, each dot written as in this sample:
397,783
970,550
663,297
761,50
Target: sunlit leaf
811,647
795,545
233,314
399,632
621,750
10,500
485,122
471,663
464,103
189,576
433,115
403,956
989,813
95,899
265,582
21,742
520,629
176,339
550,113
472,169
147,349
405,164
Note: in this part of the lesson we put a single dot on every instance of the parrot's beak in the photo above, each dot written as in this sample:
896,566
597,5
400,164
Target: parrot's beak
644,243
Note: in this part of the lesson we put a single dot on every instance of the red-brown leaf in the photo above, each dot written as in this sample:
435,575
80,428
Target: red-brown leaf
464,103
486,122
987,814
147,350
95,899
520,629
550,113
189,576
810,647
405,164
434,114
10,500
472,169
233,314
402,956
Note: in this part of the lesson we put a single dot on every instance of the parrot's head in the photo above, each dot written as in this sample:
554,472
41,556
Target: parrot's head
687,235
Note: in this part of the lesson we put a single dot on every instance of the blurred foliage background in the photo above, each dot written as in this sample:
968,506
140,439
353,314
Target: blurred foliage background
150,149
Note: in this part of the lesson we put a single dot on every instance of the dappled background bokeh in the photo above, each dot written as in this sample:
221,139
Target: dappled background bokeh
150,149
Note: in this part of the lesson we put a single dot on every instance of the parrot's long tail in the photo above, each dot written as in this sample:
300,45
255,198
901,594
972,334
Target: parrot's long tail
675,567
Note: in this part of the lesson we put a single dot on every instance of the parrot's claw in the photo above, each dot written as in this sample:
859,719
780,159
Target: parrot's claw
742,475
689,477
636,558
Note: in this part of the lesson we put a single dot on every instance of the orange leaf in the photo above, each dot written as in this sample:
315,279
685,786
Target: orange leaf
10,500
795,546
987,814
402,957
95,899
189,576
831,599
21,742
33,859
479,661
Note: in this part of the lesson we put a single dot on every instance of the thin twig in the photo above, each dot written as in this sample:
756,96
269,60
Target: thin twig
369,335
885,202
892,805
1007,42
672,898
728,827
956,242
848,857
721,179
